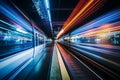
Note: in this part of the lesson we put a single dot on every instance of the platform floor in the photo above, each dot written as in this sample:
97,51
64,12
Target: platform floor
60,61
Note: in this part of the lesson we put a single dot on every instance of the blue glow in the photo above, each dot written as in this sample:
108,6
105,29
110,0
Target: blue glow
16,20
107,18
10,13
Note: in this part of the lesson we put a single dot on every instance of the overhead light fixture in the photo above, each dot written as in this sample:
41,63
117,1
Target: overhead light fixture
47,4
43,9
48,12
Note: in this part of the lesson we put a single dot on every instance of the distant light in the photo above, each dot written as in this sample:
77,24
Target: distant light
61,31
74,37
21,31
97,40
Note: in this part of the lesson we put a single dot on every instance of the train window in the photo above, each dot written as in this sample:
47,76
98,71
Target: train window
38,39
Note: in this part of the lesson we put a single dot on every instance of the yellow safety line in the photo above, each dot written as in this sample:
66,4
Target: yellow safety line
64,73
55,73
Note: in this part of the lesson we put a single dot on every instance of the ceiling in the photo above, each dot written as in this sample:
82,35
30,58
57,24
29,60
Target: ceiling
61,9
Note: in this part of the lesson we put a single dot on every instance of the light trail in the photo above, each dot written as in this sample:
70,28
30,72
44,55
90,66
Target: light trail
80,13
100,21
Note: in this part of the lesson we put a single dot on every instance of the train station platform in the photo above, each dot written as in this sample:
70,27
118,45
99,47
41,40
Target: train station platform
59,39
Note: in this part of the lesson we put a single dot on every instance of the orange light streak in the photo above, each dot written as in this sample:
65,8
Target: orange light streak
105,29
80,12
76,10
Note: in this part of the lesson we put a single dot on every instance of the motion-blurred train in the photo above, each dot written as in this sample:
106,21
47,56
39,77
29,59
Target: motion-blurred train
15,39
112,38
20,41
102,30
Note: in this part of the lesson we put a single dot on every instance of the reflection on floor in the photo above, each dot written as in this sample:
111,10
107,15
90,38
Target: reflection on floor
63,61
